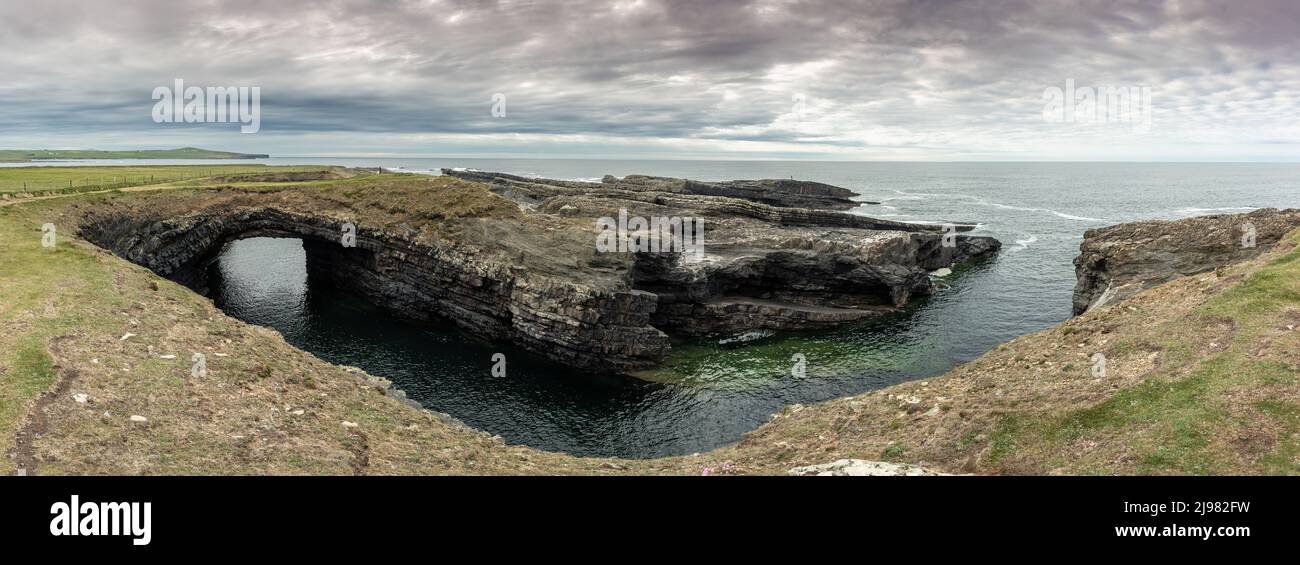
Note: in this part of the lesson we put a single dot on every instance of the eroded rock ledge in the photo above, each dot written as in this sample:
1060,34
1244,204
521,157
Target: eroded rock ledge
1119,261
775,192
515,260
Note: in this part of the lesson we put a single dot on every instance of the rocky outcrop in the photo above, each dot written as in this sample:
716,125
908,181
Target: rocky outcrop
764,267
861,468
528,270
774,192
1119,261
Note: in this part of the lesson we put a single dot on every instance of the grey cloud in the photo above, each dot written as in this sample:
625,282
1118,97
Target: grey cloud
961,76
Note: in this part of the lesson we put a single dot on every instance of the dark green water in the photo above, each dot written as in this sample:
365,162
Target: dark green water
723,391
709,394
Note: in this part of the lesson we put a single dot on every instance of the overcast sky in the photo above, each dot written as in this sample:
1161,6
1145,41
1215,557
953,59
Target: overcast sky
923,80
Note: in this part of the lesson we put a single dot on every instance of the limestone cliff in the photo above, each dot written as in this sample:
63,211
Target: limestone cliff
1119,261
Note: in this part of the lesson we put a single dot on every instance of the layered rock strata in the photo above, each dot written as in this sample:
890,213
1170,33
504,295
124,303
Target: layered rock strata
1119,261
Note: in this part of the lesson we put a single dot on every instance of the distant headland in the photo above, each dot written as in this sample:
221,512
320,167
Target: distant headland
25,155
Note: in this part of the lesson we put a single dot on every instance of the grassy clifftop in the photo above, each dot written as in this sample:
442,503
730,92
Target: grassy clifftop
20,181
1202,376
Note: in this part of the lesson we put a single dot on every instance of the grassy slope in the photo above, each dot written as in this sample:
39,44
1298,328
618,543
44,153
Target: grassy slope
20,155
1225,399
1202,377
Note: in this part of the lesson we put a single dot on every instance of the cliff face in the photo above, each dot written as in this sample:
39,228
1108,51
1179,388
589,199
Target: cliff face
587,326
528,269
1119,261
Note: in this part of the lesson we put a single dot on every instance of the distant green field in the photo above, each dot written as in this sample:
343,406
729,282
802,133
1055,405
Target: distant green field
80,179
23,155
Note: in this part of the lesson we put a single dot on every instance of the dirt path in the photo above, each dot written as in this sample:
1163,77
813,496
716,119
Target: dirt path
36,423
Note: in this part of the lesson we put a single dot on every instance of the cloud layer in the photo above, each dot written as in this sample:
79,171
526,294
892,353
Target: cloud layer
720,79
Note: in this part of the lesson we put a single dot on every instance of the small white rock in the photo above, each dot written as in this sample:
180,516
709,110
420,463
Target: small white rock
348,424
298,412
138,418
168,356
81,397
126,336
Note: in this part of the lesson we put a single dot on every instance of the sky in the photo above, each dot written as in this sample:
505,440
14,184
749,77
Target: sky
716,79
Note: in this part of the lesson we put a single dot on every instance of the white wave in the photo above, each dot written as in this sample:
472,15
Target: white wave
1048,210
1079,218
1024,243
925,196
1203,211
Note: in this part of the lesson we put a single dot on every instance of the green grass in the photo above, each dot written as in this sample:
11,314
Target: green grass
894,452
21,155
43,180
1187,418
30,272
